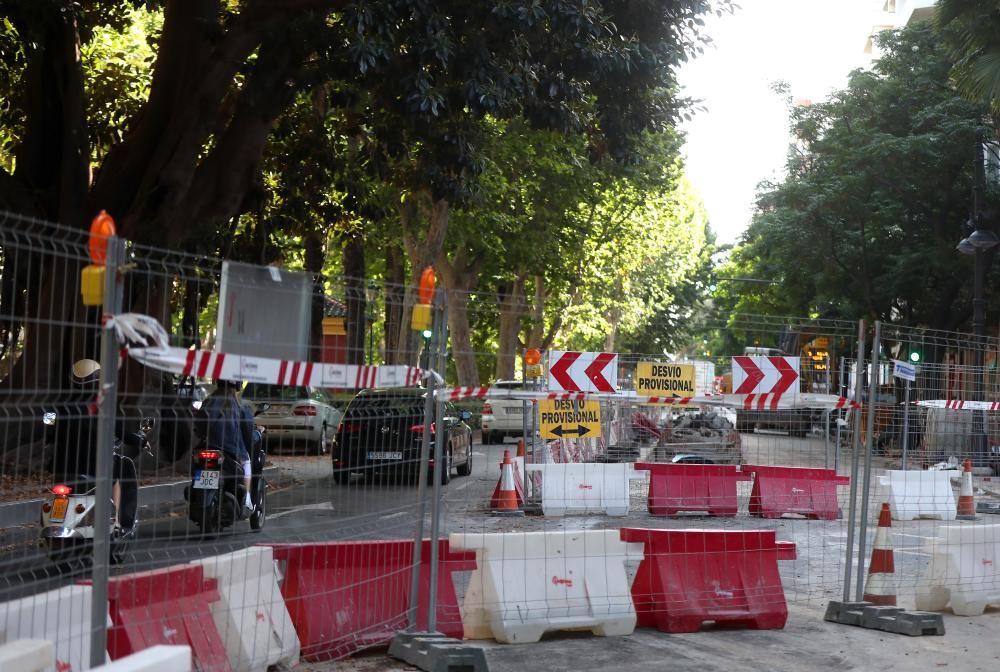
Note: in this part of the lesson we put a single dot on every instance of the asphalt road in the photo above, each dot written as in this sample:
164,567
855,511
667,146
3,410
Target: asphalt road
305,505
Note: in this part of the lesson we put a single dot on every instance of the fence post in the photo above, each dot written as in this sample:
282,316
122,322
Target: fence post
906,423
425,447
855,447
440,462
872,393
107,403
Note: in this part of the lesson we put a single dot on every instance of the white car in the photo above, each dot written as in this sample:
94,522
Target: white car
301,416
504,417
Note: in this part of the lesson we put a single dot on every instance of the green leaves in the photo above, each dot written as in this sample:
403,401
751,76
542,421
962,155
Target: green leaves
867,220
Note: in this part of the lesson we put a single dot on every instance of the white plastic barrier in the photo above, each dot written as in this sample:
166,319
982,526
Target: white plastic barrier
529,583
28,655
964,570
586,488
920,494
158,658
251,615
62,616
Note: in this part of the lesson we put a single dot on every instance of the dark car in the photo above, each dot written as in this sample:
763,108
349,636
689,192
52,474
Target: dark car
381,433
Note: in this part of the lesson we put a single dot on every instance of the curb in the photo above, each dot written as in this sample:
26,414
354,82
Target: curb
26,512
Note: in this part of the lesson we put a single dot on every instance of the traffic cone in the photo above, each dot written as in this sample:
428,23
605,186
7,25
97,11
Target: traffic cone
520,448
880,587
966,497
507,498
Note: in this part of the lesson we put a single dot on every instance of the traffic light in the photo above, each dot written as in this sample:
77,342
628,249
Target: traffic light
914,356
427,333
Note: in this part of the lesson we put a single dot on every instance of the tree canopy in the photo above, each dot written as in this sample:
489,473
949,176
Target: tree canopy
877,191
289,130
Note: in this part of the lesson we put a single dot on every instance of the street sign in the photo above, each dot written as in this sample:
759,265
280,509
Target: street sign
766,375
569,418
904,370
583,371
656,379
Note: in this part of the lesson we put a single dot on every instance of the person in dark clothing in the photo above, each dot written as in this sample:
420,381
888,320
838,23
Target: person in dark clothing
76,444
229,426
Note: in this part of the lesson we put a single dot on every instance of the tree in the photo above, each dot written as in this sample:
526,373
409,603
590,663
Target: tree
187,160
970,27
878,185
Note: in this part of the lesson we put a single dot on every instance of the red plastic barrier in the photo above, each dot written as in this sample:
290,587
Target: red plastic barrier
692,487
166,606
689,577
344,597
780,490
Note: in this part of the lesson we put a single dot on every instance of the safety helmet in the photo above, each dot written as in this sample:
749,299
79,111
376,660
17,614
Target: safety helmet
86,373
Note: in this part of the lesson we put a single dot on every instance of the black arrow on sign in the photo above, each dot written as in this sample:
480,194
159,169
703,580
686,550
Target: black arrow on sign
560,431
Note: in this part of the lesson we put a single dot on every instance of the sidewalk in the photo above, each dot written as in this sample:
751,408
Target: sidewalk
807,644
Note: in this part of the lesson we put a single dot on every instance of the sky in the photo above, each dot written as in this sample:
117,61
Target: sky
742,136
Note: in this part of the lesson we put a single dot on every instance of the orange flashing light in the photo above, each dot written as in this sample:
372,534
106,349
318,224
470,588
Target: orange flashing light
532,356
428,281
101,228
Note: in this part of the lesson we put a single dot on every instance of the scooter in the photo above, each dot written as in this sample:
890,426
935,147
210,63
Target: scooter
217,492
67,518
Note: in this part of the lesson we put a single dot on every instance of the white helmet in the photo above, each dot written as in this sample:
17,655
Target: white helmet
86,373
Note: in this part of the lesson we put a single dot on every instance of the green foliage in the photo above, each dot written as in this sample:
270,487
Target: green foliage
878,186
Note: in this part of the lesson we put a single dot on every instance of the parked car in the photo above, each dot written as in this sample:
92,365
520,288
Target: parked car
301,415
382,431
504,417
795,421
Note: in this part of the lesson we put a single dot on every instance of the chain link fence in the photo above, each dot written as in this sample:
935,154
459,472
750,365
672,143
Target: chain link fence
387,488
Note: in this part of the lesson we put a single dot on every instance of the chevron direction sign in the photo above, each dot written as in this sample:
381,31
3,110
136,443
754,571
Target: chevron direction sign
583,372
766,375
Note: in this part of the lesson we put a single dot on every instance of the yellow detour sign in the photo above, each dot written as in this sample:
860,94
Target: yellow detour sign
656,379
569,418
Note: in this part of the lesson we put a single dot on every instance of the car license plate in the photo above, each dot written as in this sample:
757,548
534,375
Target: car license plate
206,480
393,455
59,507
515,410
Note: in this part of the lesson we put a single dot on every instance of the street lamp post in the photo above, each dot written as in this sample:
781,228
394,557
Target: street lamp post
979,243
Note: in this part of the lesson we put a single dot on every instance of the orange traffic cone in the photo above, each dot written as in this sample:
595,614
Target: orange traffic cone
880,587
507,500
966,497
520,448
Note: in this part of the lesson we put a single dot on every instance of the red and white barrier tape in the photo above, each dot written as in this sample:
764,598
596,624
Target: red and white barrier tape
745,401
960,404
206,364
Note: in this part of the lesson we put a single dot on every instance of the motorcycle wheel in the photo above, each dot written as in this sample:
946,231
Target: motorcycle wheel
259,514
208,521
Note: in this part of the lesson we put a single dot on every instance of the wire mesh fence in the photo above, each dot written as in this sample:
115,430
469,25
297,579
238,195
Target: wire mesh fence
307,465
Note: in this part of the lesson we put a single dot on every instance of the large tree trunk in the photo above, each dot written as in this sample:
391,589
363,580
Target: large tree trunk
423,252
511,310
460,277
357,300
315,259
393,296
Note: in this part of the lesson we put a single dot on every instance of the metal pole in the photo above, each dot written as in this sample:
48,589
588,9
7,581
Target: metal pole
979,454
906,422
869,440
852,505
826,440
440,463
107,405
843,393
425,447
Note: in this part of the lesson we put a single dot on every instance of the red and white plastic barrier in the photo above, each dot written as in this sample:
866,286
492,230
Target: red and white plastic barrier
58,615
159,658
28,655
208,364
251,615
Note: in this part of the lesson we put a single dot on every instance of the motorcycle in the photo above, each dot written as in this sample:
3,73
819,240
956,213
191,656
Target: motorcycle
217,491
67,518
